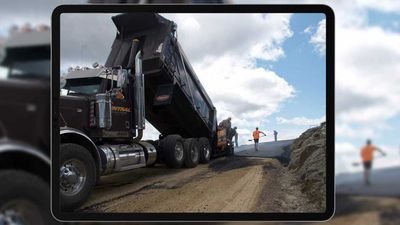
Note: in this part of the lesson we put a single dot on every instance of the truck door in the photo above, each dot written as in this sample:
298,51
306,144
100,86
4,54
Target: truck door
121,112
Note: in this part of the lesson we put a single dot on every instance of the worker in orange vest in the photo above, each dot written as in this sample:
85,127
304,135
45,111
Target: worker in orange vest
367,156
256,137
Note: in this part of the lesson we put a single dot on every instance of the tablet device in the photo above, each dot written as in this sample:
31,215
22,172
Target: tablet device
192,112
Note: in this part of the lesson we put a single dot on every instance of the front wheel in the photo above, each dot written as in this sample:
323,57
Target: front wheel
77,175
205,150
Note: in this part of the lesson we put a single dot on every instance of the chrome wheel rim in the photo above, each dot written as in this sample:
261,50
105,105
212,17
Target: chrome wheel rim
20,212
72,177
206,152
179,151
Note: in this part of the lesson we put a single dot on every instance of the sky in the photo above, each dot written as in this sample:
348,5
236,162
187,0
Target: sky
367,49
265,70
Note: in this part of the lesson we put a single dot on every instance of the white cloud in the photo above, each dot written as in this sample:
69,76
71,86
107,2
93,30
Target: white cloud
345,148
242,89
244,35
150,133
381,5
318,39
308,30
302,121
368,67
346,131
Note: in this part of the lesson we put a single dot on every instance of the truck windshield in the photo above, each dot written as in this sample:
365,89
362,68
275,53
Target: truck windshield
35,68
85,86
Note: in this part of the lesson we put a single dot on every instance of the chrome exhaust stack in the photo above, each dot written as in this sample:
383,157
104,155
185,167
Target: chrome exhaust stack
139,97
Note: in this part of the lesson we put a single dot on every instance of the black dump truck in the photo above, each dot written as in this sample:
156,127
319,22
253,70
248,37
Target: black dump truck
25,128
103,110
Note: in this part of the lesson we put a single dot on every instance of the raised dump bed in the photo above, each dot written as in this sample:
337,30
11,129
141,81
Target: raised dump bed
176,102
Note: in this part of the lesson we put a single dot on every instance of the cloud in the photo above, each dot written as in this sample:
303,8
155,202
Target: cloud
244,35
83,40
301,121
346,148
318,39
308,30
242,89
390,6
344,130
367,69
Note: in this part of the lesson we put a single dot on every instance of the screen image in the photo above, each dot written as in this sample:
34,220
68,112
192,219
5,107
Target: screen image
224,115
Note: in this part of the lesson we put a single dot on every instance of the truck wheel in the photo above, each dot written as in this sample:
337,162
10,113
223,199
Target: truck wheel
229,150
205,150
173,151
77,175
191,152
24,199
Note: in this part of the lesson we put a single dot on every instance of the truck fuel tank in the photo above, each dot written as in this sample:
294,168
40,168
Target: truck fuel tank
121,157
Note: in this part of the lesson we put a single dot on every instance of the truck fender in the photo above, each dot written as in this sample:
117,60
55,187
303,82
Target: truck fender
18,155
71,135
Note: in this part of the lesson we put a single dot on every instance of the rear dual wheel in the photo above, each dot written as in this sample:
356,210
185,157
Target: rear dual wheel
173,151
205,150
177,151
192,158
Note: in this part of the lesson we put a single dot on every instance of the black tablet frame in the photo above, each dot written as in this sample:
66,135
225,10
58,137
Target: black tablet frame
55,94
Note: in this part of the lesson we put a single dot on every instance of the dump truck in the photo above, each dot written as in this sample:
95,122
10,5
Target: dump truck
103,110
25,127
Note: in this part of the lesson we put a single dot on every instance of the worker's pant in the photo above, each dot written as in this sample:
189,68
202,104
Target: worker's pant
256,144
236,140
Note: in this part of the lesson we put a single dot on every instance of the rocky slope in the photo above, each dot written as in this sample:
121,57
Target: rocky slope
308,165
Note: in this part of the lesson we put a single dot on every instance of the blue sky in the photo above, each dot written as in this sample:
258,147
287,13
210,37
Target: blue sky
304,68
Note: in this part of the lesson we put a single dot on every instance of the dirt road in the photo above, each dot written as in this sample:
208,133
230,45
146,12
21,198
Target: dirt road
228,184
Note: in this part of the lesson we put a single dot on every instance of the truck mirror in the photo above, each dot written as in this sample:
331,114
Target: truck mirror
122,79
63,82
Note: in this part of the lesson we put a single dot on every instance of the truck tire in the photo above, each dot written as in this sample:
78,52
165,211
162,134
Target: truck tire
173,151
192,153
205,150
229,150
24,199
77,175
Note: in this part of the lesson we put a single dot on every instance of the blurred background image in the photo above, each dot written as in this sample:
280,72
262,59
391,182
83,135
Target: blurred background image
367,36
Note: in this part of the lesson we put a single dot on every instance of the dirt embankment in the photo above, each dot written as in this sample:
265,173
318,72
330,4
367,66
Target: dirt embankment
308,165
